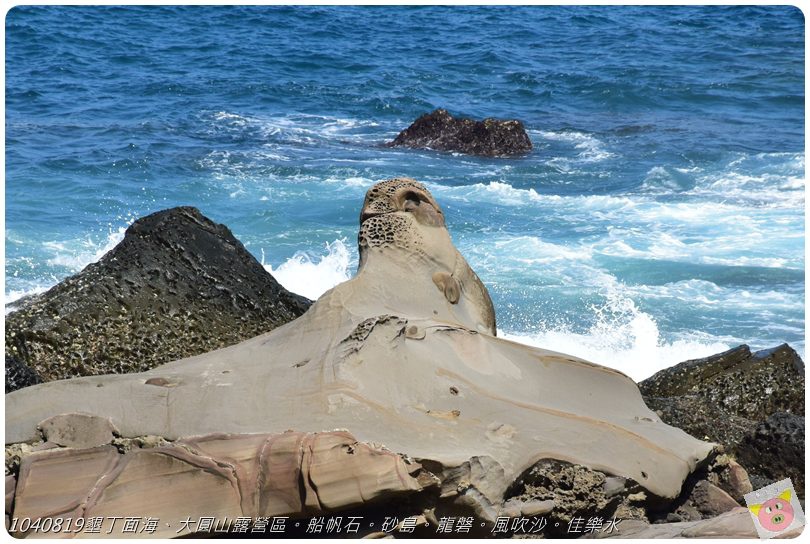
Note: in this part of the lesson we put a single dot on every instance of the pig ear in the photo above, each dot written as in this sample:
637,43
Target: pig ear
785,495
755,508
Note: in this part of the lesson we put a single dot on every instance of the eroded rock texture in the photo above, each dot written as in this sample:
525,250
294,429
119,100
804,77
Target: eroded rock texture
775,450
18,374
745,384
751,403
402,355
562,491
177,285
441,131
221,476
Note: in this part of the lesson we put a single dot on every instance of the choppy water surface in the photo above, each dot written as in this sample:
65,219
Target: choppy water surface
660,216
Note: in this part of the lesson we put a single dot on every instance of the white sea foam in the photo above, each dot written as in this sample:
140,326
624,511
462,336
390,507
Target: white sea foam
625,338
72,255
639,355
698,230
494,191
76,254
311,276
350,181
16,294
591,148
533,250
293,128
706,293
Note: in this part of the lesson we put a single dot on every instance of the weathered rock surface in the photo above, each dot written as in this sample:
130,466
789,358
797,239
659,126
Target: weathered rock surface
403,354
19,375
774,450
744,384
704,500
731,477
715,488
441,131
735,399
177,285
221,476
699,418
562,491
77,430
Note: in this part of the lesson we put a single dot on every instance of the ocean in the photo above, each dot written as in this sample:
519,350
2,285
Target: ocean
660,216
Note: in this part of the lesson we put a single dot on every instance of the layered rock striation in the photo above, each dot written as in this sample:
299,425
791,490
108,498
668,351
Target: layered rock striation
391,387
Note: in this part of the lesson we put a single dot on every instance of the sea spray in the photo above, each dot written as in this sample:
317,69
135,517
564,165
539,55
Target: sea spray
303,275
76,254
621,337
670,183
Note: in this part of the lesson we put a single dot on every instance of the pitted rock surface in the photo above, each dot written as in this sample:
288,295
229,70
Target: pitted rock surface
564,491
177,285
758,397
402,355
18,374
441,131
775,450
742,383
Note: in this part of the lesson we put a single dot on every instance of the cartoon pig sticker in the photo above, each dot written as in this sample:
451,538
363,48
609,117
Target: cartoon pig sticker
775,514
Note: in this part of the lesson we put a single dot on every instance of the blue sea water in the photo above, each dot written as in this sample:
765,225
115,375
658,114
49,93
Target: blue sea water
660,216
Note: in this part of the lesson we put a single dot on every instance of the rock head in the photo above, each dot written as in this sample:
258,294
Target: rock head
441,131
391,385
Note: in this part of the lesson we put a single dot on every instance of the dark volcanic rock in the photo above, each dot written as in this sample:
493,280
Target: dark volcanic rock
713,489
731,477
745,384
709,501
751,403
699,418
177,285
19,375
441,131
775,450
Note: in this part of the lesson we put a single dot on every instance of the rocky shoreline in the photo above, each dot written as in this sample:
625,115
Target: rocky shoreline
179,285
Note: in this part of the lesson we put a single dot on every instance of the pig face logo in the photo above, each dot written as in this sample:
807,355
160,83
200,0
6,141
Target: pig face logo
775,514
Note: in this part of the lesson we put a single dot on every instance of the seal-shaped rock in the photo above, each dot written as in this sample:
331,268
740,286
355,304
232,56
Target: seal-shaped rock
441,131
177,285
401,217
402,354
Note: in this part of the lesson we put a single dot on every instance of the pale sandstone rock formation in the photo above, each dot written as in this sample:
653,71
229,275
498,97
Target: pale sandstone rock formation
223,476
403,356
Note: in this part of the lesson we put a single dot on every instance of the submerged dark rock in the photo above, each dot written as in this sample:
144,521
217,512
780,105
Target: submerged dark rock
751,403
177,285
441,131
